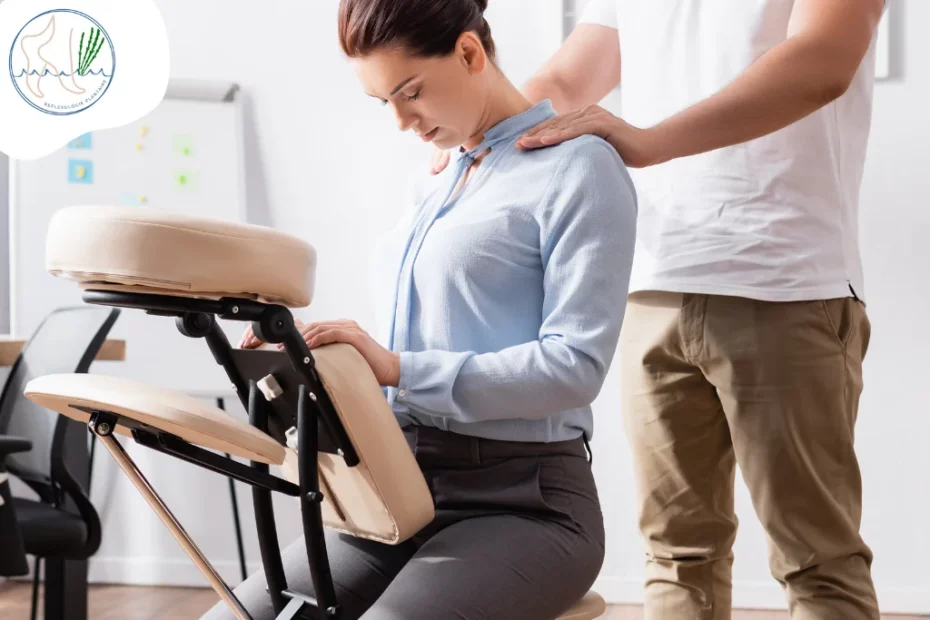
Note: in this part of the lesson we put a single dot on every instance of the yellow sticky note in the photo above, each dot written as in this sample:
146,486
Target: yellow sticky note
79,172
143,199
139,147
143,130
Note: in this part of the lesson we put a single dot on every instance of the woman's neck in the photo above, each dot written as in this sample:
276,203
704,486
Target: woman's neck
505,101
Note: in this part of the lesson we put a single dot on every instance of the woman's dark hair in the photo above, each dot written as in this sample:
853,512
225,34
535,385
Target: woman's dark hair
425,28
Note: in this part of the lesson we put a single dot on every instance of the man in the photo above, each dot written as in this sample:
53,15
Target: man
745,332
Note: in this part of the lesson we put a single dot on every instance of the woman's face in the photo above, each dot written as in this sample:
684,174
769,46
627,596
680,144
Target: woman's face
439,99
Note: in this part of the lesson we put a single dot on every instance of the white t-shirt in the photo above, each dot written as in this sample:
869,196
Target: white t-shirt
773,219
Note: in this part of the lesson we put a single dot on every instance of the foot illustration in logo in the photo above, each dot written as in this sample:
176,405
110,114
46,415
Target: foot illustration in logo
62,62
37,66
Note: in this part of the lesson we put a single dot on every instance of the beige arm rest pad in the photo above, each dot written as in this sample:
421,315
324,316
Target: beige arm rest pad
150,250
187,417
384,497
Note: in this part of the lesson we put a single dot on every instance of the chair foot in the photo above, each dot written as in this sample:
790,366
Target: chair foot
103,428
33,614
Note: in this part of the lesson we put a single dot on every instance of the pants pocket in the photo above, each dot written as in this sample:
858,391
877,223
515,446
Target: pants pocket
841,318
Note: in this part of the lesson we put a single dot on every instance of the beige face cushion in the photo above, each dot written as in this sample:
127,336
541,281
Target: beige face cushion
383,498
149,250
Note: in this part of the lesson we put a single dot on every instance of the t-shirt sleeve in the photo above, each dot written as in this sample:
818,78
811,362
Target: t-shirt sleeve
600,12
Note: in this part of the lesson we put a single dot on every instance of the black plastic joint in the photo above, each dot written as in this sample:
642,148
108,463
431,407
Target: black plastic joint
102,423
314,496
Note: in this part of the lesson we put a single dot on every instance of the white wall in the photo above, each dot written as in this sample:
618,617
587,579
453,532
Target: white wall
327,163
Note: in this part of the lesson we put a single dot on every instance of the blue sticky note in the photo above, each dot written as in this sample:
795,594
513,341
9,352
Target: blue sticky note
80,171
129,199
82,142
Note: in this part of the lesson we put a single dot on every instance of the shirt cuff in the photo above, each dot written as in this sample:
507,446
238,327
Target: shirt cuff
405,380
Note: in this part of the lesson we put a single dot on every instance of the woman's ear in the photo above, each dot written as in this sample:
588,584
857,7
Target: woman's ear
472,53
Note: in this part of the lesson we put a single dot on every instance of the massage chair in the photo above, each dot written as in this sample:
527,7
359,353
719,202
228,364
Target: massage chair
319,416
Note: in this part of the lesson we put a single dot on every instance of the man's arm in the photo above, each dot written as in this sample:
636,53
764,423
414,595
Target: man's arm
581,73
827,40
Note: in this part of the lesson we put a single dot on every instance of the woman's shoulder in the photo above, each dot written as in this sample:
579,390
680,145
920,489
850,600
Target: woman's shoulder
575,156
586,149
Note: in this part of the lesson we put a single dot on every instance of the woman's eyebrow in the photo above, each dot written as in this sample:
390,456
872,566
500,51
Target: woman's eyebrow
402,84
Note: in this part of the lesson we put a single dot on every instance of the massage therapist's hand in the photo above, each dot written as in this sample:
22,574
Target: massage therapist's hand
385,364
637,147
439,161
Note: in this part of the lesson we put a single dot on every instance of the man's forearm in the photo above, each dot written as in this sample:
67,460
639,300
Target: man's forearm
541,87
787,84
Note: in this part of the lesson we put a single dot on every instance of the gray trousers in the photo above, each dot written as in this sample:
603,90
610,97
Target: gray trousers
518,535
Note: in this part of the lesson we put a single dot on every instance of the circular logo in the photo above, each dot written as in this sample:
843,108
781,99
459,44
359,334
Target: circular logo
62,62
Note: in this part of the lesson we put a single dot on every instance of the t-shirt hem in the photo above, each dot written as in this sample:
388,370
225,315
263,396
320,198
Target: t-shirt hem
832,291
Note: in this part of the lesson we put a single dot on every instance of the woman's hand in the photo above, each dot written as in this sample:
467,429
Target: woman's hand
637,147
250,341
385,364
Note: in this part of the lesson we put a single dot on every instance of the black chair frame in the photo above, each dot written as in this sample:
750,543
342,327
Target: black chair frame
66,488
304,404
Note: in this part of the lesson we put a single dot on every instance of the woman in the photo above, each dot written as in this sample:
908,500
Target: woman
502,292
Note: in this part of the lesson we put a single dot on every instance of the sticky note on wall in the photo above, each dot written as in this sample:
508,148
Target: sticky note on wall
185,179
184,145
80,171
82,142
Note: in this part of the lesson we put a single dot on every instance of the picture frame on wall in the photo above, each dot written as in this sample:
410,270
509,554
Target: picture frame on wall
572,10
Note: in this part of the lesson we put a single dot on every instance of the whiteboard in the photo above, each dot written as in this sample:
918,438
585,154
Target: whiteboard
187,155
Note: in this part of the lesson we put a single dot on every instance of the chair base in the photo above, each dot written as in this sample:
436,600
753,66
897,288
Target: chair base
103,431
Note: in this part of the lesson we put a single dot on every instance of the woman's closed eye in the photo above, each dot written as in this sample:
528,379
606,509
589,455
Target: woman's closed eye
412,97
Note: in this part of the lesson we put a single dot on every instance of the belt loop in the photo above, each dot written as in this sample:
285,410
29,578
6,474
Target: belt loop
587,446
476,450
416,439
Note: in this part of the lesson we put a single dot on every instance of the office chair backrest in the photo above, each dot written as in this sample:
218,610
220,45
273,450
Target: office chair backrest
67,341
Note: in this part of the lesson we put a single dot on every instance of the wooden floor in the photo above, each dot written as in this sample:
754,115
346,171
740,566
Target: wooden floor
133,603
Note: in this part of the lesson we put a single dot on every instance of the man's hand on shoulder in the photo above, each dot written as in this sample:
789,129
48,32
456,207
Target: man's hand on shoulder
637,147
439,161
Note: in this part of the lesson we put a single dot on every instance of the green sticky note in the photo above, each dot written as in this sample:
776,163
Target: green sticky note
184,145
185,179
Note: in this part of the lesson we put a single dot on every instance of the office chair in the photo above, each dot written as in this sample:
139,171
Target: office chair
62,526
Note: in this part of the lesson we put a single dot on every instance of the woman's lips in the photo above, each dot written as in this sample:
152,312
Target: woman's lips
428,137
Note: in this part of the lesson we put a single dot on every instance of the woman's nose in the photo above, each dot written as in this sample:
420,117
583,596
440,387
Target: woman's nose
404,120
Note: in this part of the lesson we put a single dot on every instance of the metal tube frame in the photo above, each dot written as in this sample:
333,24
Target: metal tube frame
274,324
102,424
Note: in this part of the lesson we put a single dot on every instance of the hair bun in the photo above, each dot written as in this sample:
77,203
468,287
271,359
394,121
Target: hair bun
482,5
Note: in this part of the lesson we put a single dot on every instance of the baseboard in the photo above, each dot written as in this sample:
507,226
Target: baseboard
768,596
162,572
615,590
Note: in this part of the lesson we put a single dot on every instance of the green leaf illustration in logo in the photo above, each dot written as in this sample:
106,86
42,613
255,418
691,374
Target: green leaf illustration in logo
86,56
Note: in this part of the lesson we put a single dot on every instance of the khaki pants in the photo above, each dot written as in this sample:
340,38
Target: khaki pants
710,382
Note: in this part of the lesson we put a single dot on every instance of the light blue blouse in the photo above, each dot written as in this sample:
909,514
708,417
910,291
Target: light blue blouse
506,302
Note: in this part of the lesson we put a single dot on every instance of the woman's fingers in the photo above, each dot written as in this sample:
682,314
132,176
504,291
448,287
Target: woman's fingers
312,332
248,339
